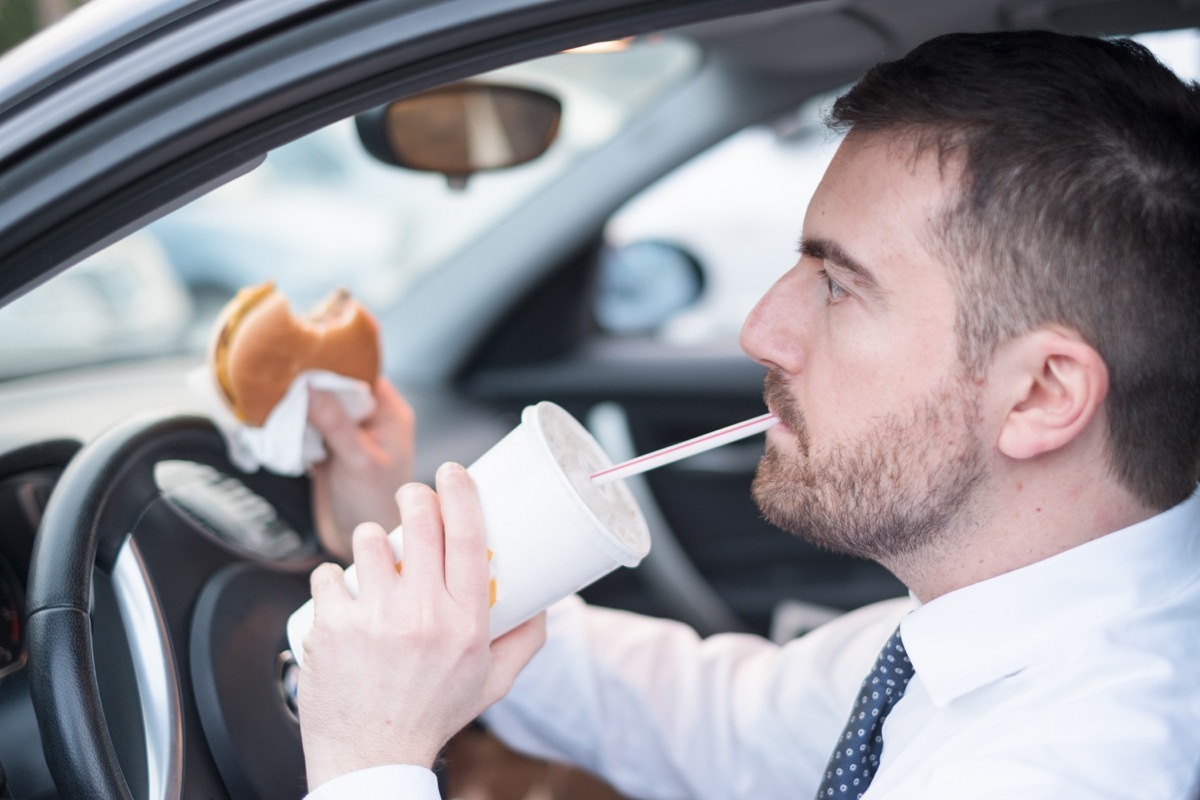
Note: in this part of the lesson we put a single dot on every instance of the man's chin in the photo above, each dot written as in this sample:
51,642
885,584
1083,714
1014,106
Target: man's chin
776,496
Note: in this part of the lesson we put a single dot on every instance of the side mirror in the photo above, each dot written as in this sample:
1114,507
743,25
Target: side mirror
462,128
643,284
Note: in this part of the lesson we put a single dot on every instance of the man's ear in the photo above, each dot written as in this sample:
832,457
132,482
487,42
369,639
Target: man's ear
1054,384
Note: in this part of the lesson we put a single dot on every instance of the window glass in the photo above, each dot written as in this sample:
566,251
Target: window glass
318,213
738,210
1179,50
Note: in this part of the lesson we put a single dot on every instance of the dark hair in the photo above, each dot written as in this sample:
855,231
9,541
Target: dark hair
1080,206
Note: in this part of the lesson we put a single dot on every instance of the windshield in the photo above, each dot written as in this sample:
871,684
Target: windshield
317,214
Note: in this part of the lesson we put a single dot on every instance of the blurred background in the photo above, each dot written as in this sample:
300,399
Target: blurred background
20,18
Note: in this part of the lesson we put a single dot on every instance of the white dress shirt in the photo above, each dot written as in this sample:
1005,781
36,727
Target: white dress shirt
1075,677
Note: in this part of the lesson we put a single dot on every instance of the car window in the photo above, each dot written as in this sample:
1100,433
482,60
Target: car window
685,259
319,210
736,212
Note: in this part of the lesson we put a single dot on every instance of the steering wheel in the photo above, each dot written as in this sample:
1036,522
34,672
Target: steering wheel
202,702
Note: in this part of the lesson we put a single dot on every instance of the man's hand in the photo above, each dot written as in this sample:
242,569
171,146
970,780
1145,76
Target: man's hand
367,462
391,675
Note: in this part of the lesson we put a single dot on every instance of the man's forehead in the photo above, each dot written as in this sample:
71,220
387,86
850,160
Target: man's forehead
881,200
917,149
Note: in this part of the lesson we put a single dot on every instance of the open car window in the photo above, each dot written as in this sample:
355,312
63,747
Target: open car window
319,213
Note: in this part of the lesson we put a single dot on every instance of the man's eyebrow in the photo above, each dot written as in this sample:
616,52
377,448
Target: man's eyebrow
831,252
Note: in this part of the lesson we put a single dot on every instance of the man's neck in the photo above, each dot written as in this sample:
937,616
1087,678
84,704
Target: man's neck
1018,523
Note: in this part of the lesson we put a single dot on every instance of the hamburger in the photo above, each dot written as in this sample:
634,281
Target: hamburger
259,346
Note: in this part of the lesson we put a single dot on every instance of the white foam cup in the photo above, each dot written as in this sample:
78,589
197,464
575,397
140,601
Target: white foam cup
551,530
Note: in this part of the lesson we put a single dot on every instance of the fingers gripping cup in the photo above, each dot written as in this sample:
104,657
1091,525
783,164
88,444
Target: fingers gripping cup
551,530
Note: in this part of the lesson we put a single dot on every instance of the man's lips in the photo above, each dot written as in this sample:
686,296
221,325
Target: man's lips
781,426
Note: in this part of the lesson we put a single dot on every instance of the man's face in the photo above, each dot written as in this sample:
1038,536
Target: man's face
876,453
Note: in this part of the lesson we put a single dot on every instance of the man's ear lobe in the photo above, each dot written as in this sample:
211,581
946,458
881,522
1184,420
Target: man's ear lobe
1058,384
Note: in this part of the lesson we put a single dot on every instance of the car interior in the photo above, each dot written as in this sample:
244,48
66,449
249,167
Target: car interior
654,164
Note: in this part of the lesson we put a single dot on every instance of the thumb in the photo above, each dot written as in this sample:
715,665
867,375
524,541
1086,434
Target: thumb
511,652
341,433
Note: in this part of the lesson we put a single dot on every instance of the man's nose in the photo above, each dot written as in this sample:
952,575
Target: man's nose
772,332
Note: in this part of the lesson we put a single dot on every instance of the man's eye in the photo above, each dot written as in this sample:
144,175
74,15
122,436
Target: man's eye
836,292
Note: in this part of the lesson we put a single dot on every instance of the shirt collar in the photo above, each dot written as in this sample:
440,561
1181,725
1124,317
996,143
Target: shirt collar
983,632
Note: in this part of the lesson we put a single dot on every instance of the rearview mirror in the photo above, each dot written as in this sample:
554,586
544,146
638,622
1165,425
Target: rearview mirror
462,128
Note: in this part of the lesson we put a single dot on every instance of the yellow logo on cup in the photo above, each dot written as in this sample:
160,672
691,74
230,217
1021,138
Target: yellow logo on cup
491,577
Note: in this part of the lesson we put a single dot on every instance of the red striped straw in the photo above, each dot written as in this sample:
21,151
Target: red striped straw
691,447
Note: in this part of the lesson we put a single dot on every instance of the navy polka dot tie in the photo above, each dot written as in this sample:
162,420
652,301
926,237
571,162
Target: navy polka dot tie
856,757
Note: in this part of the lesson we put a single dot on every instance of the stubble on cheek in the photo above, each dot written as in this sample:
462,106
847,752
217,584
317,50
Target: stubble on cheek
883,494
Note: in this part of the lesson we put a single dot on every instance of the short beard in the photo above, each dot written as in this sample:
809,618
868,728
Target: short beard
892,493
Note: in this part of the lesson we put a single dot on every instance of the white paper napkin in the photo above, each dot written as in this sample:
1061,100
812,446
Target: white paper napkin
286,443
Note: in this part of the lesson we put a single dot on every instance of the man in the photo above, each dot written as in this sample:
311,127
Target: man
987,367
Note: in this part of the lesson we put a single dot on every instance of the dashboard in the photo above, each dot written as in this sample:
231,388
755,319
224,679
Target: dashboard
12,639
